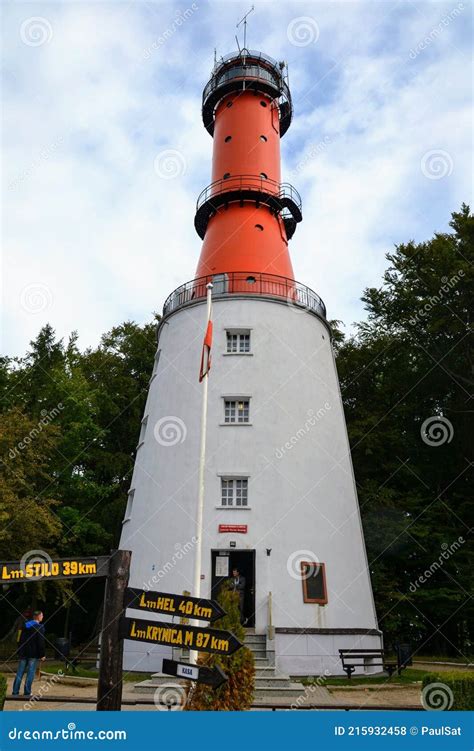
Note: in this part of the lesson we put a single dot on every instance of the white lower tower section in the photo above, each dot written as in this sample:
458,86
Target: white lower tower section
302,500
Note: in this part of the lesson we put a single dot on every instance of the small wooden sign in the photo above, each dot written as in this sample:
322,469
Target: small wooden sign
182,605
16,572
179,635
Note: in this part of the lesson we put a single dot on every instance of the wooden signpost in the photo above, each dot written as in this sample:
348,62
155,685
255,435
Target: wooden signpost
116,627
214,677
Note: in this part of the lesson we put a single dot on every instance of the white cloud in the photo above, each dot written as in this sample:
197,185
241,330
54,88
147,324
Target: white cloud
85,114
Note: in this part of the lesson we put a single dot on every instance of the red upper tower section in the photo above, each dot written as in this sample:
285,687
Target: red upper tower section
246,215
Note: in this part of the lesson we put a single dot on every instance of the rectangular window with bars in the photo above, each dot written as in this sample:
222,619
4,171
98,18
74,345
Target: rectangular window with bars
238,342
234,491
236,411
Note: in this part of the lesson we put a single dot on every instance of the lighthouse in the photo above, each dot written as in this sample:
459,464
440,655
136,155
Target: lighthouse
280,502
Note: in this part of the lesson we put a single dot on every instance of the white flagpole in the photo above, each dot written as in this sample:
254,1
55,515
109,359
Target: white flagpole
193,655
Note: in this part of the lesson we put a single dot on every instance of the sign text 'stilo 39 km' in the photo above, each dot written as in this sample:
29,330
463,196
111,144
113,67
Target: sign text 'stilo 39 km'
178,635
12,572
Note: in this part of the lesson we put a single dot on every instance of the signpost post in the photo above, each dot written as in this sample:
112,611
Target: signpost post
109,689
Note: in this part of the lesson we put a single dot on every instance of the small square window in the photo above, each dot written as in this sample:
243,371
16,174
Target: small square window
238,342
234,491
236,410
143,430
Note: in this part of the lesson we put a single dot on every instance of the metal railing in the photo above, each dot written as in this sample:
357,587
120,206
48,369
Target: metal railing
295,294
254,183
244,72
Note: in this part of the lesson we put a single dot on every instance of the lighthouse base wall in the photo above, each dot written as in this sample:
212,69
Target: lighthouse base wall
318,654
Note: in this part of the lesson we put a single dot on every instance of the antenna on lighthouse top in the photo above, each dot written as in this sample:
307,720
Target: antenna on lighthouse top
244,21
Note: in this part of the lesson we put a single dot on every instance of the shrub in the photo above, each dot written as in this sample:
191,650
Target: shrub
457,684
237,692
3,691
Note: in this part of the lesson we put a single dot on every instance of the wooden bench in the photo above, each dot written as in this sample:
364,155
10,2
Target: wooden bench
356,658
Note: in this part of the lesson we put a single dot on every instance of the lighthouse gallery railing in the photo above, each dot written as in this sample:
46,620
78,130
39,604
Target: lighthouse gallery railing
246,283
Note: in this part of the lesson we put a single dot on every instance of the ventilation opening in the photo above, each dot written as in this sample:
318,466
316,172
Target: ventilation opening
228,138
229,104
260,229
264,175
264,139
250,280
227,174
263,104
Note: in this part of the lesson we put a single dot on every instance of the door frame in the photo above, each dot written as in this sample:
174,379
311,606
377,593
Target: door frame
233,554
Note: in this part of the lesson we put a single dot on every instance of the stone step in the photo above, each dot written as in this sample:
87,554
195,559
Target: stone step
255,639
272,681
269,693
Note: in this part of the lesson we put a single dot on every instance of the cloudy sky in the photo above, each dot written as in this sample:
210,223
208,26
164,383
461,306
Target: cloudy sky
105,152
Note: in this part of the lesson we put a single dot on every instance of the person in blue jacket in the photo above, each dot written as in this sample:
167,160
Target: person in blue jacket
30,650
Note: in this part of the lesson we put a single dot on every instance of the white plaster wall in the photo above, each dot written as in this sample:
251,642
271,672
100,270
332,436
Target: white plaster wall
301,489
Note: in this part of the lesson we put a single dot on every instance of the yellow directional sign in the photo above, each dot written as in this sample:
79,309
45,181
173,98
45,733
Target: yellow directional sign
14,572
182,605
178,635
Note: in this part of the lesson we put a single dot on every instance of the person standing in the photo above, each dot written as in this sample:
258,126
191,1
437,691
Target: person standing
31,648
237,584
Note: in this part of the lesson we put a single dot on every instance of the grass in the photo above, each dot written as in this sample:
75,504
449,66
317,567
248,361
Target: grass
81,672
409,676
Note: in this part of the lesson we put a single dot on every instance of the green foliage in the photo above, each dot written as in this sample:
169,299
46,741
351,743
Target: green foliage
413,360
460,683
3,691
237,693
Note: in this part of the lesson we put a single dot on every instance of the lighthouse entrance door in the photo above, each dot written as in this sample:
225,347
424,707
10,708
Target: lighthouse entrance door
223,561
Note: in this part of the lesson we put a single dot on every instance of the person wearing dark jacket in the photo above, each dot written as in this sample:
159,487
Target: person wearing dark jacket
30,650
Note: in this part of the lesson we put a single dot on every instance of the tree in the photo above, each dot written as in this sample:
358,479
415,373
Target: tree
237,693
406,379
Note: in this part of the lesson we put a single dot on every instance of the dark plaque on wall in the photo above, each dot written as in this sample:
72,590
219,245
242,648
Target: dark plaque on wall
314,582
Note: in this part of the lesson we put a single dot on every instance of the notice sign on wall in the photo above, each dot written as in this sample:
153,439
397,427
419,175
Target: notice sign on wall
222,565
233,528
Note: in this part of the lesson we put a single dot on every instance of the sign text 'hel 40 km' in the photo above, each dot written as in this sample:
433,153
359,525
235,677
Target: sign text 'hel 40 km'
180,605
